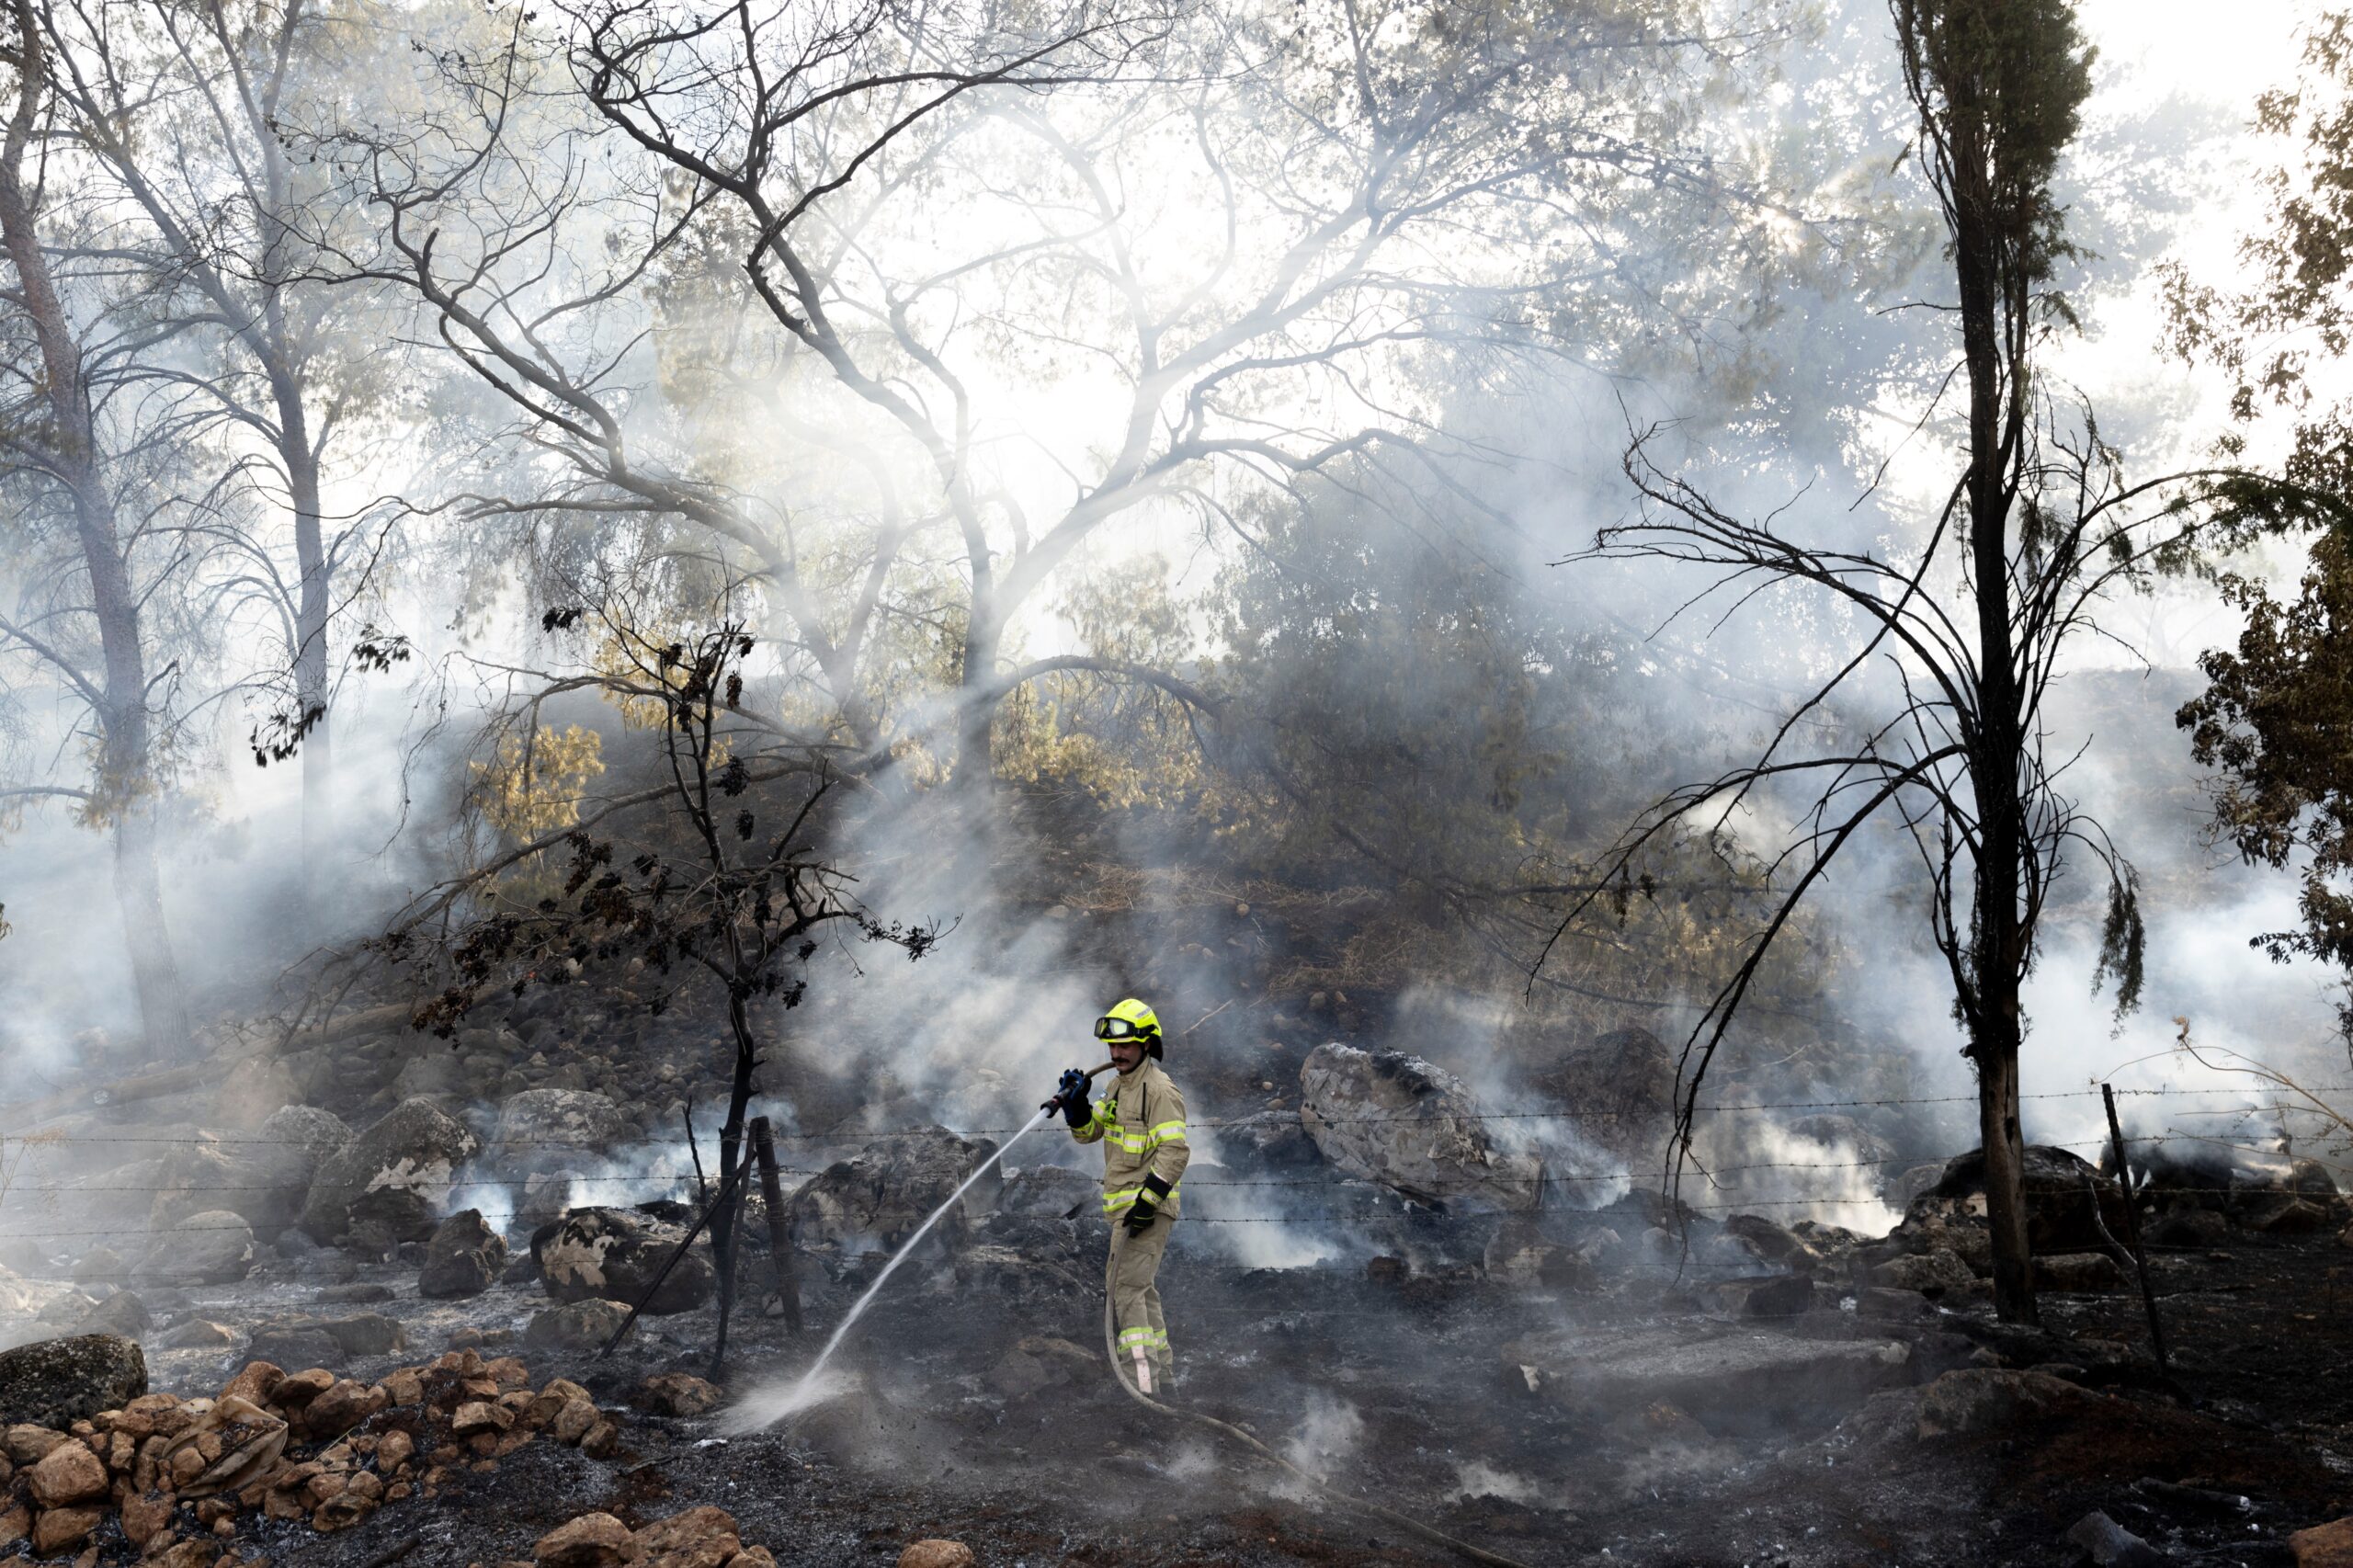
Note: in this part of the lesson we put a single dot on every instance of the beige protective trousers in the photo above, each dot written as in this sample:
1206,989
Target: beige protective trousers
1139,1335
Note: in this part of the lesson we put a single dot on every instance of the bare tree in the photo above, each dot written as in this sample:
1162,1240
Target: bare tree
84,463
188,111
1971,626
704,873
878,227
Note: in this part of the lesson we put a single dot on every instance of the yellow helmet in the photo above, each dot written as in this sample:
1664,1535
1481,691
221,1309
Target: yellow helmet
1131,1020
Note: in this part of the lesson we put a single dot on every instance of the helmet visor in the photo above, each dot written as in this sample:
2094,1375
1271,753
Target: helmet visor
1115,1028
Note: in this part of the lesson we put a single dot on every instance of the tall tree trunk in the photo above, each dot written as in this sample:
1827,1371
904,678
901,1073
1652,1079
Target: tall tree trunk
1998,938
119,696
154,971
310,649
724,1229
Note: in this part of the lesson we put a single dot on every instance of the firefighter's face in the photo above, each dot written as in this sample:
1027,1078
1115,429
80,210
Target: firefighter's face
1126,1053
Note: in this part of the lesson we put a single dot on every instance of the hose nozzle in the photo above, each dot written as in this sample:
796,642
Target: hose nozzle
1092,1074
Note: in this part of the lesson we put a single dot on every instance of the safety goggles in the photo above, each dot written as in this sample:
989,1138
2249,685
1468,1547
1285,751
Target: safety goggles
1116,1028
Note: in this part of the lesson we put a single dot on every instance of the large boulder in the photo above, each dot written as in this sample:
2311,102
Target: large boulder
881,1195
1411,1126
397,1174
463,1257
1622,1088
615,1254
2067,1202
55,1382
1049,1192
544,1139
215,1247
263,1178
561,1120
2253,1185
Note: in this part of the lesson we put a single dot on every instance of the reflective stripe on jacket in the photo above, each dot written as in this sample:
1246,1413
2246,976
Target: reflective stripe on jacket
1140,1124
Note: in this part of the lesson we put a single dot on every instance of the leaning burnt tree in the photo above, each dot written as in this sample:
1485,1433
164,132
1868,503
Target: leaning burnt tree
705,877
1970,630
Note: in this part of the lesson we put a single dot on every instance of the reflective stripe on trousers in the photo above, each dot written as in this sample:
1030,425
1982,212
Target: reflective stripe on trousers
1140,1340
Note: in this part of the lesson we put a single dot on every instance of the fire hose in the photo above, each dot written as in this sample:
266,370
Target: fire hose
1389,1516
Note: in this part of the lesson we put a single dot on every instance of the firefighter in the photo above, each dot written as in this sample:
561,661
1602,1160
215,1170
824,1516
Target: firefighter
1140,1124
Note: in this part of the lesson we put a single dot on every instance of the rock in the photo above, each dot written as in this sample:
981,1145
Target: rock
1040,1365
540,1137
2058,1188
1934,1273
29,1444
144,1514
122,1313
2324,1546
1621,1086
2188,1228
700,1538
2287,1216
54,1383
356,1295
463,1257
215,1247
1269,1140
559,1120
293,1342
71,1474
615,1254
1771,1243
578,1326
2110,1545
2077,1271
1049,1192
877,1197
1784,1298
2245,1183
98,1265
344,1405
675,1393
200,1334
1983,1401
479,1415
59,1529
263,1178
1733,1379
1398,1120
936,1554
404,1163
574,1420
592,1540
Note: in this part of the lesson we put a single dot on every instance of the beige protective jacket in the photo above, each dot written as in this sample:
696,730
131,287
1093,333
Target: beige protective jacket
1140,1124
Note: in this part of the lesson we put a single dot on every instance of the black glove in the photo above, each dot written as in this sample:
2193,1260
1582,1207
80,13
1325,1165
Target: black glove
1071,1094
1146,1207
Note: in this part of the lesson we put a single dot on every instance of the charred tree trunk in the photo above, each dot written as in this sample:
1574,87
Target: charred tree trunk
1992,315
723,1227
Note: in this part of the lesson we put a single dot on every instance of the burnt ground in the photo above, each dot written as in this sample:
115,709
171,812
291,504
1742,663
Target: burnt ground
1403,1388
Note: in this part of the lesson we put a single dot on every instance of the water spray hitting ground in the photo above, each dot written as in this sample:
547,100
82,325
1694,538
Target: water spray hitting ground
770,1404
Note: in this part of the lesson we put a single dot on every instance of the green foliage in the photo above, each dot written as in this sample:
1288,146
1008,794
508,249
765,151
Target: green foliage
2001,85
2278,720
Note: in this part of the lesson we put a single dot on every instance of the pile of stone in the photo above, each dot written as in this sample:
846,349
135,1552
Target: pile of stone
699,1538
179,1475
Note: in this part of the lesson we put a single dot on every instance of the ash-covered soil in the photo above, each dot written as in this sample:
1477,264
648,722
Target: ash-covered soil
971,1417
